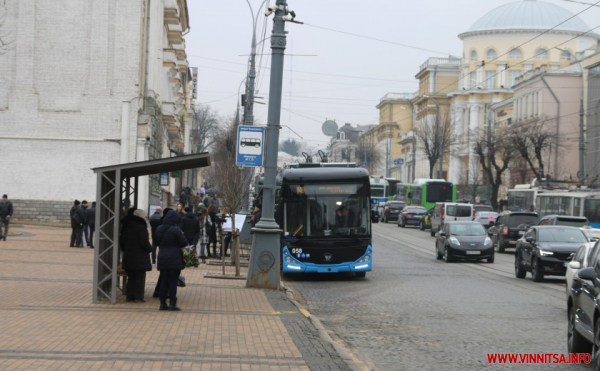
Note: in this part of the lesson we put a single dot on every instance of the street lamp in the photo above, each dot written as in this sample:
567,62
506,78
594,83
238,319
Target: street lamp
581,113
437,117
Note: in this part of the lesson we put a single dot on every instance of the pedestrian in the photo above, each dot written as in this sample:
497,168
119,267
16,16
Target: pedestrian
180,207
170,259
206,200
190,227
213,222
155,241
86,232
477,200
257,214
91,222
182,197
155,220
203,236
135,243
190,200
6,211
77,219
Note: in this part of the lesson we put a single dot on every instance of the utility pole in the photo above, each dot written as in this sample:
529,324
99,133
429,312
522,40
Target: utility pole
263,270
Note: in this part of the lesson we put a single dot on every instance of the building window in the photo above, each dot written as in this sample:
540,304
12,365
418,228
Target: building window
491,54
490,79
541,54
512,75
515,54
565,55
473,55
472,80
342,135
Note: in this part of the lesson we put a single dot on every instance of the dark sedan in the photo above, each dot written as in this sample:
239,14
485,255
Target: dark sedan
411,215
464,240
546,251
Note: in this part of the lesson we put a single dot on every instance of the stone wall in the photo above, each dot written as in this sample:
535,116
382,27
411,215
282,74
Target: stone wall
44,211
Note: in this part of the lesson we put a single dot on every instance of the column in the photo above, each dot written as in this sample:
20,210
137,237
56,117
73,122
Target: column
501,74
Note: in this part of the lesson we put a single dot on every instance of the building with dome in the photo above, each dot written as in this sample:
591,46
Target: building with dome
498,49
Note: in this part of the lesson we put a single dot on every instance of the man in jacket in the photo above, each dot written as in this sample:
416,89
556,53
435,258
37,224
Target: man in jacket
190,226
6,211
91,223
135,243
155,220
77,219
170,259
86,231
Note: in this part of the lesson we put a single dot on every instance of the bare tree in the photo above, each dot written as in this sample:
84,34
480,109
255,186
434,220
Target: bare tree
431,143
204,124
366,152
533,140
498,148
469,183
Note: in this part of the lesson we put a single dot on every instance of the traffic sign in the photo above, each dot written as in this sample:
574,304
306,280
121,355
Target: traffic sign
399,161
250,144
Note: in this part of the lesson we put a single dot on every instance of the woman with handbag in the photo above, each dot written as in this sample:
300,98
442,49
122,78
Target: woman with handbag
135,243
170,258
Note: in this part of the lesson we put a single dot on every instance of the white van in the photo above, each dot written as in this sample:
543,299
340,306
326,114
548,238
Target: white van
449,211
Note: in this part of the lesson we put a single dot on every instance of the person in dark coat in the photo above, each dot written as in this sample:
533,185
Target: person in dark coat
190,227
6,211
155,220
155,241
91,222
182,197
86,230
212,224
135,243
77,220
170,258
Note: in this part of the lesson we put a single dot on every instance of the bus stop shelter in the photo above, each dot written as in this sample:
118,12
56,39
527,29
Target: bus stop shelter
117,187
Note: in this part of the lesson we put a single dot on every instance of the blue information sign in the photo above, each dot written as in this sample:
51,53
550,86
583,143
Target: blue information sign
399,161
251,141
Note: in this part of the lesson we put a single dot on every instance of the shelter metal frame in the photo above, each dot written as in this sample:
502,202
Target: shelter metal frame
116,185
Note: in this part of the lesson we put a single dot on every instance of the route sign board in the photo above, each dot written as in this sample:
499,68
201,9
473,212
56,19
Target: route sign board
250,146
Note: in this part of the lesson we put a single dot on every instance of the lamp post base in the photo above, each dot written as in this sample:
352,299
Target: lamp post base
265,256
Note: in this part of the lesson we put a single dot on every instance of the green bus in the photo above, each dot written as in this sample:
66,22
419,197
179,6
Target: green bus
426,192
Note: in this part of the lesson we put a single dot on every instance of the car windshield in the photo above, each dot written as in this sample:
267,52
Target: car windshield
572,222
467,230
565,235
396,205
516,220
414,211
458,210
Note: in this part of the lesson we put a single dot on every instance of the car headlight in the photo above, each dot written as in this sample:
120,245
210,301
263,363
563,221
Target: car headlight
288,259
545,253
488,242
454,241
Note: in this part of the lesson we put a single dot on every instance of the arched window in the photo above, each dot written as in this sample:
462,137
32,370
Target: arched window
541,54
565,55
515,54
491,54
473,55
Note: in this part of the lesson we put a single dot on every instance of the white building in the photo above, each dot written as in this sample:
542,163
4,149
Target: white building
84,85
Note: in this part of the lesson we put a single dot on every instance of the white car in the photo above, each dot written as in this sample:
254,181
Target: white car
579,261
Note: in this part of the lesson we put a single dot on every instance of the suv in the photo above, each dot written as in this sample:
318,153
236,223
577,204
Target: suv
391,210
509,227
447,211
571,221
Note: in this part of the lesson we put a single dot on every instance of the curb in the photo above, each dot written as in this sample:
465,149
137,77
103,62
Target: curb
340,349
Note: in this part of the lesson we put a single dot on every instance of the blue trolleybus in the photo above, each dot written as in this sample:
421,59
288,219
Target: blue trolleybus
325,216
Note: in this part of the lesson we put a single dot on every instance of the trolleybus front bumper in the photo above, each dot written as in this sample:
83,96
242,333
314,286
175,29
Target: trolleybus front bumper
292,264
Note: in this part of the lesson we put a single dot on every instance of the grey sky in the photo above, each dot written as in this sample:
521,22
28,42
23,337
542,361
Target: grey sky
349,74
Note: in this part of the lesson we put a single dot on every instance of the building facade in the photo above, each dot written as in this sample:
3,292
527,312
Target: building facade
79,95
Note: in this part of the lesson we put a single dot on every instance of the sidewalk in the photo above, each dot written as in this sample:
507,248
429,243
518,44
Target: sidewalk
48,321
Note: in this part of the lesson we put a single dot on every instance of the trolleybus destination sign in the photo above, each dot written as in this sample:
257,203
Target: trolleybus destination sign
250,144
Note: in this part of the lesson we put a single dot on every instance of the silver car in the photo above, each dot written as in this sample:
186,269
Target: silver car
580,260
486,218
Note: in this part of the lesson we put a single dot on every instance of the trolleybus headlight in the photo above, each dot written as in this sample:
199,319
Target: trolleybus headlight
369,251
288,259
367,258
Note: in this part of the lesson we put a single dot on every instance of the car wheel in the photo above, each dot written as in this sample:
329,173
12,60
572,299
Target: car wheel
360,274
431,232
520,272
438,254
383,220
403,225
490,259
448,257
422,226
500,245
536,271
576,343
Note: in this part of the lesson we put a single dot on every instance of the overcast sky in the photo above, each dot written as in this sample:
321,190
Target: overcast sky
331,75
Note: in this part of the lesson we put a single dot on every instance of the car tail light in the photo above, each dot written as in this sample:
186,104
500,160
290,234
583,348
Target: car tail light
408,214
505,230
473,214
443,214
491,218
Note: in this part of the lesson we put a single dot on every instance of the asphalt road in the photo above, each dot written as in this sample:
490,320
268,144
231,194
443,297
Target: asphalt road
414,312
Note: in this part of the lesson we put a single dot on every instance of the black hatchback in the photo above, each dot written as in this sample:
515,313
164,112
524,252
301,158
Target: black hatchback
411,215
463,240
509,227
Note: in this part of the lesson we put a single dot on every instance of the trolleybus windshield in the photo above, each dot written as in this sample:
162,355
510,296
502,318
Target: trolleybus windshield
326,210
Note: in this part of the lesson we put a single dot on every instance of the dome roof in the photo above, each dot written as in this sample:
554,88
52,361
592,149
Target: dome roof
528,15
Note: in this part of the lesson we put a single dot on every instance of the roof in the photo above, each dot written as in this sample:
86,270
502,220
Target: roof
163,165
333,174
529,15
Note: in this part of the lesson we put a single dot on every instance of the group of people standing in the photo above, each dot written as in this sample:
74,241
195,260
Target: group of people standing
83,224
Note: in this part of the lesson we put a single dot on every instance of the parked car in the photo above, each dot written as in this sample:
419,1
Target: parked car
445,212
486,218
483,208
582,305
391,210
593,234
580,260
426,220
546,251
571,221
509,227
411,215
463,240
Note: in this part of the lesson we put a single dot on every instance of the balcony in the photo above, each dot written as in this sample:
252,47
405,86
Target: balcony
398,96
169,56
440,62
171,12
